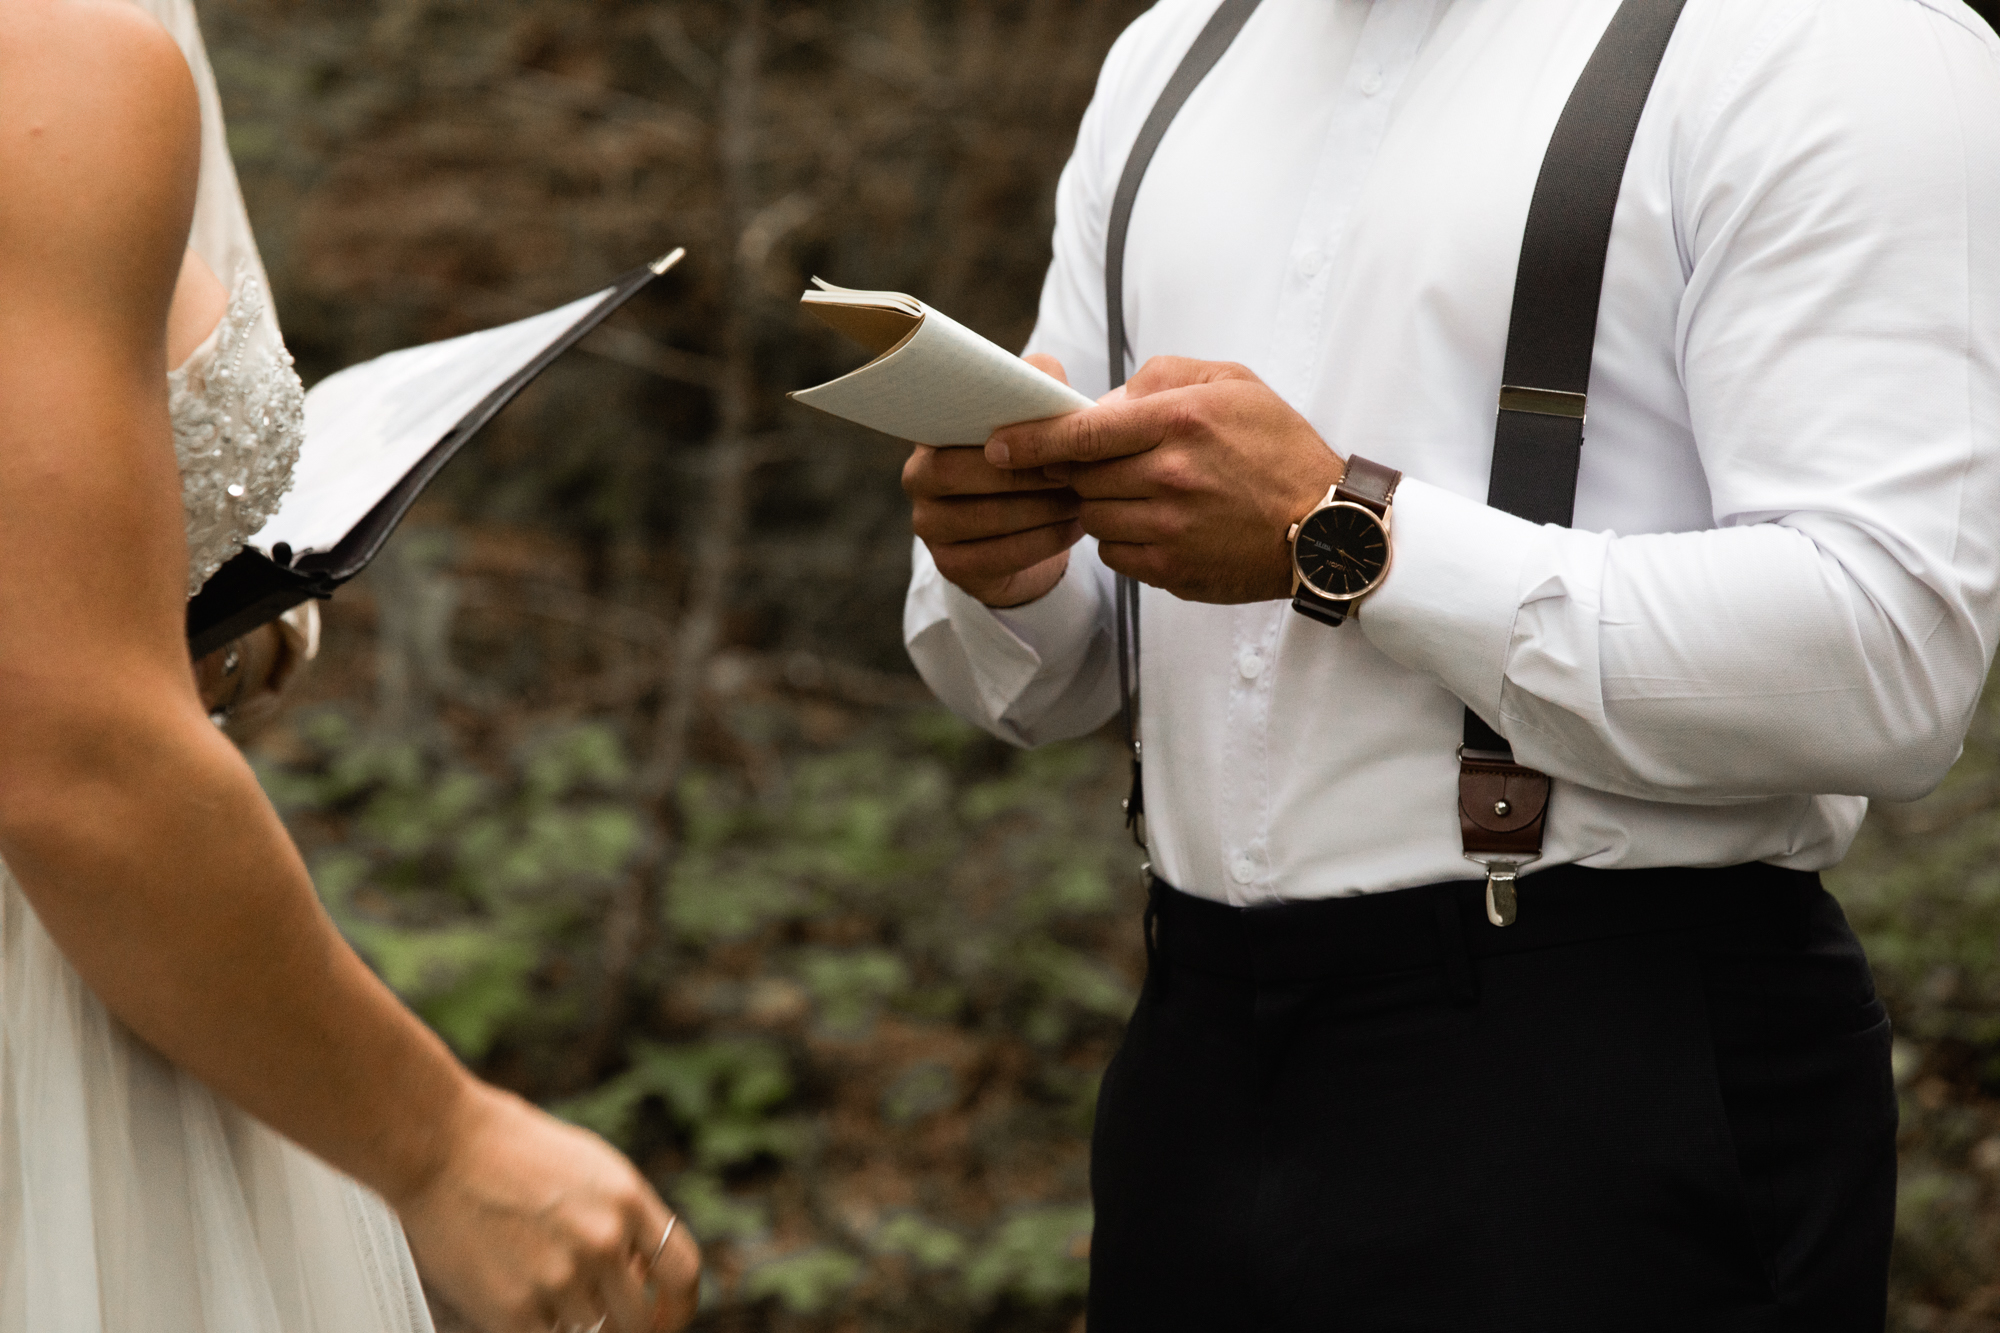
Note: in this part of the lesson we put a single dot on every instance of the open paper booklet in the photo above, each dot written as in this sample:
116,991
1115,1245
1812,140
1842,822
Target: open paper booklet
376,434
933,380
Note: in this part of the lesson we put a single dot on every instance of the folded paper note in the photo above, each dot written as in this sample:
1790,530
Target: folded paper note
933,380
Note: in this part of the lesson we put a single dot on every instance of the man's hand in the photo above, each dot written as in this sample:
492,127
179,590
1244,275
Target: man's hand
1189,477
1002,535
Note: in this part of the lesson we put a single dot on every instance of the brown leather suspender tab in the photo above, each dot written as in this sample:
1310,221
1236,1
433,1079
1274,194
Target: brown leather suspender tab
1538,436
1538,428
1501,804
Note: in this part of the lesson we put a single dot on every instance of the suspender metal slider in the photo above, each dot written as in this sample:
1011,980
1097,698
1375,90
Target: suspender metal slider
1501,905
1541,402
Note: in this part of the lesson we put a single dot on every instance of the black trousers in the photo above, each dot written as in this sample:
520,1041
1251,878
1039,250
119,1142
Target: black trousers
1659,1100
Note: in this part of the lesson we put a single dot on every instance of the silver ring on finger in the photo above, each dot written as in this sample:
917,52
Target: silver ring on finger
661,1249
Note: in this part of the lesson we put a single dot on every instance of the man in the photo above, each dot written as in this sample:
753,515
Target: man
1350,1099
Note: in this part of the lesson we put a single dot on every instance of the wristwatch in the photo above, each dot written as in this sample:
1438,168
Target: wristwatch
1340,550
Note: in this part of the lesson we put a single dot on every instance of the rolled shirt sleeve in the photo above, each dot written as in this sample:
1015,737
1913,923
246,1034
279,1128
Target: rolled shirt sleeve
1839,344
1040,672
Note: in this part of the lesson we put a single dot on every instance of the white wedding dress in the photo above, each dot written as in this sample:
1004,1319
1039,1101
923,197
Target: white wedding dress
132,1199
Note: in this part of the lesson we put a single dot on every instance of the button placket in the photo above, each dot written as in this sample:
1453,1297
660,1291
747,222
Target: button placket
1246,811
1390,41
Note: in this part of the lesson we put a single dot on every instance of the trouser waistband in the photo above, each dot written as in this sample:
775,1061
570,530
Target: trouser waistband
1445,925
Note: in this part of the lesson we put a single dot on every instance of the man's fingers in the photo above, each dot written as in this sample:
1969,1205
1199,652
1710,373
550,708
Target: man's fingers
1138,477
1177,372
1135,560
934,472
1135,522
1047,364
974,518
975,564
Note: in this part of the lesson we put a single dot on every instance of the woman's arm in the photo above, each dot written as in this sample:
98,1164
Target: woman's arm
136,830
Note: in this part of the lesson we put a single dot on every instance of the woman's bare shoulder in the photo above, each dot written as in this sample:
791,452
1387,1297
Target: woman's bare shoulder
100,137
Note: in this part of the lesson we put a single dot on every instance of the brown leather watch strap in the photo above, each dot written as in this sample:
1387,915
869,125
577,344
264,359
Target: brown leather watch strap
1366,483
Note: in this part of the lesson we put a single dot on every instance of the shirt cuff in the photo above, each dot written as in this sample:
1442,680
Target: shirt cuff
1003,659
1062,618
1448,607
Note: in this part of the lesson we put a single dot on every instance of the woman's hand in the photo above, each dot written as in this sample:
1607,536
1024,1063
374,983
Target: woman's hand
532,1225
245,683
139,835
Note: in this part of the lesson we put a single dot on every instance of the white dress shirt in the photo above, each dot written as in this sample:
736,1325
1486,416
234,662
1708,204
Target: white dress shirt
1782,587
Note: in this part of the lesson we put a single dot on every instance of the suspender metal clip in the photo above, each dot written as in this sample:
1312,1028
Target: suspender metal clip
1501,905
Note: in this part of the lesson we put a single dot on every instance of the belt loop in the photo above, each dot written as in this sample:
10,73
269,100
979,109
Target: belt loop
1454,959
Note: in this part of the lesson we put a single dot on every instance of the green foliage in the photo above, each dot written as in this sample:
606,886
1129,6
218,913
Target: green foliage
804,1282
719,1093
455,883
1038,1256
715,1214
922,1090
851,984
1922,889
917,880
467,981
922,1242
902,828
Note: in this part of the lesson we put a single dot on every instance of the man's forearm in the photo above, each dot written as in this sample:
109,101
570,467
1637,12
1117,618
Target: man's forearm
1706,667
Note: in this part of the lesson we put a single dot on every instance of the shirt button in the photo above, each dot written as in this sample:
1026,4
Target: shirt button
1311,262
1243,870
1372,84
1250,663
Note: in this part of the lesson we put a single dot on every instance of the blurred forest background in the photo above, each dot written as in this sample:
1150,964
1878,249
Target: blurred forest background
613,765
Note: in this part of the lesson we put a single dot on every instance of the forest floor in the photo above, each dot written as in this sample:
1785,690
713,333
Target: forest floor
846,991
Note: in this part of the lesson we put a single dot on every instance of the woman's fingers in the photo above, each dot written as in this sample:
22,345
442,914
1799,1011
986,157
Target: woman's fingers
534,1224
675,1281
578,1310
603,1263
631,1294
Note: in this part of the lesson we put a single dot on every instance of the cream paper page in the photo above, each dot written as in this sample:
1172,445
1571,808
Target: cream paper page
944,385
368,425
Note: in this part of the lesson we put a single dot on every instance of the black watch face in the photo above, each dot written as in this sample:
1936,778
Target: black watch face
1341,550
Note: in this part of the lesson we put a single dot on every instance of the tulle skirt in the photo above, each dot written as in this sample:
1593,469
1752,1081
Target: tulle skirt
132,1198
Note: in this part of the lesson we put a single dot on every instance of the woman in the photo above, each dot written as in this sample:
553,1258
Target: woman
166,973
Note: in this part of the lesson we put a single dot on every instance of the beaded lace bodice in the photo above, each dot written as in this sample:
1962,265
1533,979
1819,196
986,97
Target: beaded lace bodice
239,417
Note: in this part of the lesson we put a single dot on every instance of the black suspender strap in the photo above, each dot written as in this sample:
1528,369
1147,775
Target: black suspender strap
1538,430
1126,590
1538,433
1209,44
